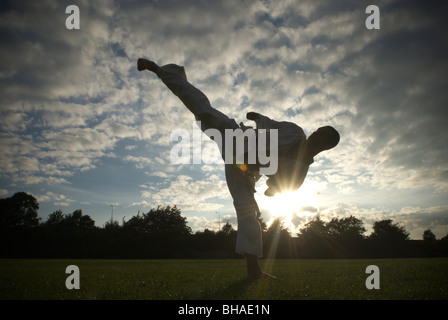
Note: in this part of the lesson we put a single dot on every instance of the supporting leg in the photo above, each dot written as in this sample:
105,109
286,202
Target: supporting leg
253,269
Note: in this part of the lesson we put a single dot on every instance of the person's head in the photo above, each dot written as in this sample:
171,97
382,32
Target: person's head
324,138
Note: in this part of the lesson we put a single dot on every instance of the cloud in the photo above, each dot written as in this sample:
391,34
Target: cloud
140,162
393,84
160,174
189,194
277,58
58,200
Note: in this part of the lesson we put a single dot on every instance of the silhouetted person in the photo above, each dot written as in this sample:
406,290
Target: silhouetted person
295,154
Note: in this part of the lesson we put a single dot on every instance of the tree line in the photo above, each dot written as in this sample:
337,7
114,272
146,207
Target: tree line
163,233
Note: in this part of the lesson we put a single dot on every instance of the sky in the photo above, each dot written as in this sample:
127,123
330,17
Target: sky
81,128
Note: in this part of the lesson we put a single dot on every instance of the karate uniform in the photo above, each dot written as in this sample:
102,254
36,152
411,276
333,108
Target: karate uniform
241,183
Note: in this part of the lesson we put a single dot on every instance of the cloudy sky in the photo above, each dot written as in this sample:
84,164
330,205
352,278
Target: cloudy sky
81,128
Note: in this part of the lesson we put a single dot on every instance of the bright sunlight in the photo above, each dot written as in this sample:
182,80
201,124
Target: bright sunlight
289,205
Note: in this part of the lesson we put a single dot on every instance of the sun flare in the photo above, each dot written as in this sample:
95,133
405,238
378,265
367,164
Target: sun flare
289,205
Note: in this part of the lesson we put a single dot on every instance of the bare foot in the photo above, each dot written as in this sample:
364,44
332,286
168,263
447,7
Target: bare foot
143,64
253,269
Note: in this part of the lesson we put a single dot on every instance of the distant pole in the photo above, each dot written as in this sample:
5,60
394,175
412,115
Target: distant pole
112,214
219,221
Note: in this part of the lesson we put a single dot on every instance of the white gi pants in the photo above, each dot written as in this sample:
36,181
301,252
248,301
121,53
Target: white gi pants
241,184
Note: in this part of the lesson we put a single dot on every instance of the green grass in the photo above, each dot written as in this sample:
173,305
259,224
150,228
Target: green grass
223,279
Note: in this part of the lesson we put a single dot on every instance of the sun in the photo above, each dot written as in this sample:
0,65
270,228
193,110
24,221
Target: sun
288,205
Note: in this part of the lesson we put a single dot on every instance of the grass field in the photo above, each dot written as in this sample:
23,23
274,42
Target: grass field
223,279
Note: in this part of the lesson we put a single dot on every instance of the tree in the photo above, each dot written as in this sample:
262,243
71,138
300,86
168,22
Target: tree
75,220
161,220
112,225
429,236
387,231
345,236
313,230
20,210
346,230
227,229
78,220
339,238
55,218
277,240
277,226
